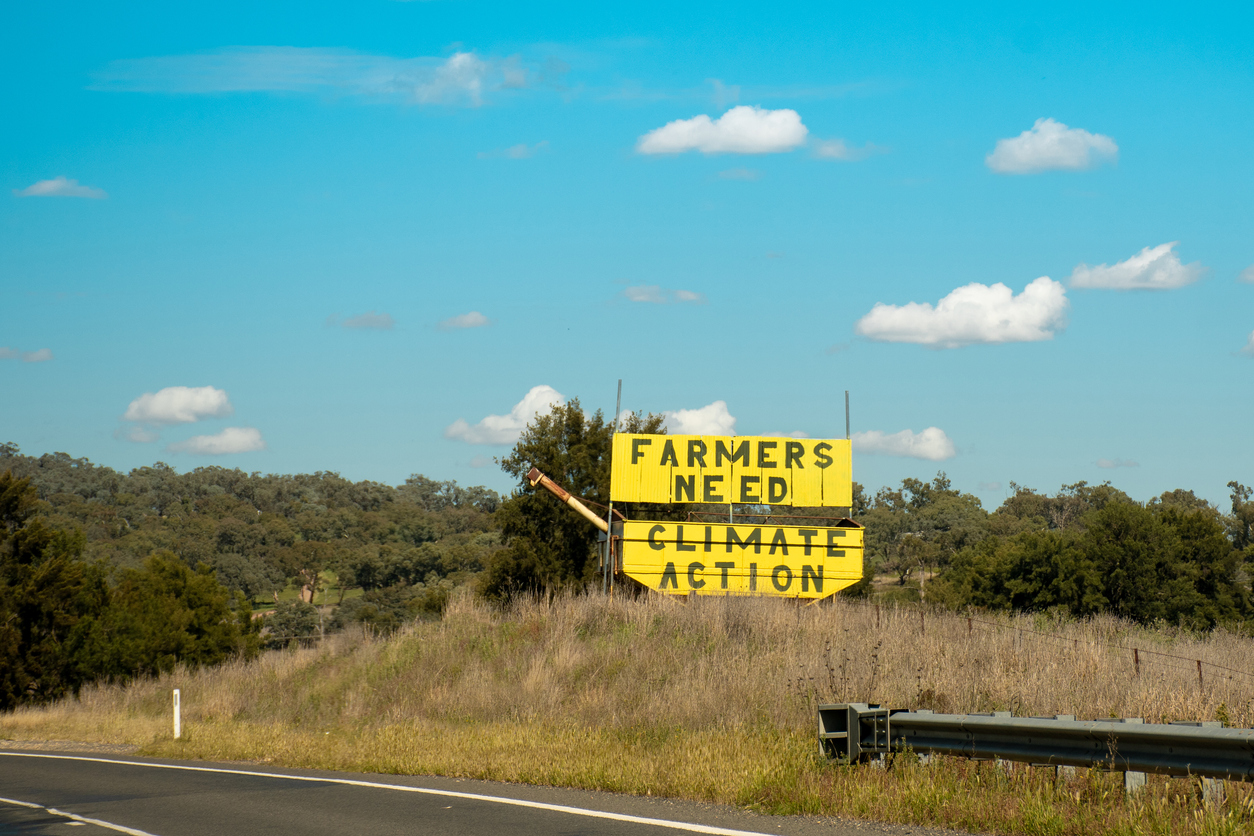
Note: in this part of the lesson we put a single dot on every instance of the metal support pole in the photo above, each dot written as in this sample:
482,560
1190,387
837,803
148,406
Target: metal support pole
607,567
847,414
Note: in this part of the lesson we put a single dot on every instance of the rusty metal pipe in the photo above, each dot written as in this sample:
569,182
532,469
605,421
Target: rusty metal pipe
535,477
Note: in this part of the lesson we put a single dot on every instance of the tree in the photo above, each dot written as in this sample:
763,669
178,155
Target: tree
50,603
1241,523
922,524
167,613
547,546
304,563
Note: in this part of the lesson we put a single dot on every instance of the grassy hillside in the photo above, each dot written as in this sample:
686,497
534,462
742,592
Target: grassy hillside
712,699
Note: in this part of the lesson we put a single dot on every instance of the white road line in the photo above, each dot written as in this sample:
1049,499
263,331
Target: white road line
76,819
516,802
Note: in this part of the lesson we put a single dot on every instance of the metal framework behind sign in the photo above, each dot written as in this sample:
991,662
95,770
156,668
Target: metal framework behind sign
857,732
747,470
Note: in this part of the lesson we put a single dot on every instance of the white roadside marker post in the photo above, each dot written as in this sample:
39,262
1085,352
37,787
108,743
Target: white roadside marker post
178,720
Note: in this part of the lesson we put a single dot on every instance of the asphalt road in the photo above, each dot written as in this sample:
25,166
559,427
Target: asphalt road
67,793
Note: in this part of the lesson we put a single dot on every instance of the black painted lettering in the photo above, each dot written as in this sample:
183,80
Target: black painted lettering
763,448
693,568
776,490
779,541
737,453
807,534
707,493
709,537
696,453
753,577
668,454
745,494
725,565
685,484
636,444
793,451
754,539
820,451
809,574
832,534
653,532
680,546
669,578
781,576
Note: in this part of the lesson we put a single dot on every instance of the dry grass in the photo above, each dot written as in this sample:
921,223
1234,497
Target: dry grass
712,699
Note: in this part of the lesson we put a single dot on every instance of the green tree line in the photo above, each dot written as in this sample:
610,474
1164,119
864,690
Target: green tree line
384,554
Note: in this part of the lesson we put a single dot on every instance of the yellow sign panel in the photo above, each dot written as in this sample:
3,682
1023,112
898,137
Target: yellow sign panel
722,559
748,470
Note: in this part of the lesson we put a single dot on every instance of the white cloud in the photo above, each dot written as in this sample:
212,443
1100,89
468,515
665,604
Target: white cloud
1048,146
474,319
741,130
1113,463
658,295
521,151
60,187
179,405
712,419
1249,346
838,149
793,434
461,74
370,320
481,461
137,433
230,440
505,429
931,444
43,355
739,174
1247,275
972,314
461,78
7,353
1153,268
990,486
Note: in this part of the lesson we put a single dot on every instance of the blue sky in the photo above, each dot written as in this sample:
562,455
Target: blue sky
344,237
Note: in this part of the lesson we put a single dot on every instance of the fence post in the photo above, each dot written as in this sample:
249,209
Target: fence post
178,719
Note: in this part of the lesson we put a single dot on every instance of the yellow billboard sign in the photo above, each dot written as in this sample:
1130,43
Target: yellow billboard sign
747,470
722,559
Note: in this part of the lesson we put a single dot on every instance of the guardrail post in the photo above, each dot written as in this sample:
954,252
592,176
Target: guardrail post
1063,773
1214,792
1133,781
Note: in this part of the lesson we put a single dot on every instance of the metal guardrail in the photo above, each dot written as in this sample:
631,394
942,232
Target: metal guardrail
857,732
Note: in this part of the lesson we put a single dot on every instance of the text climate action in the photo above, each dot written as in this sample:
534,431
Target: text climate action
725,559
808,472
